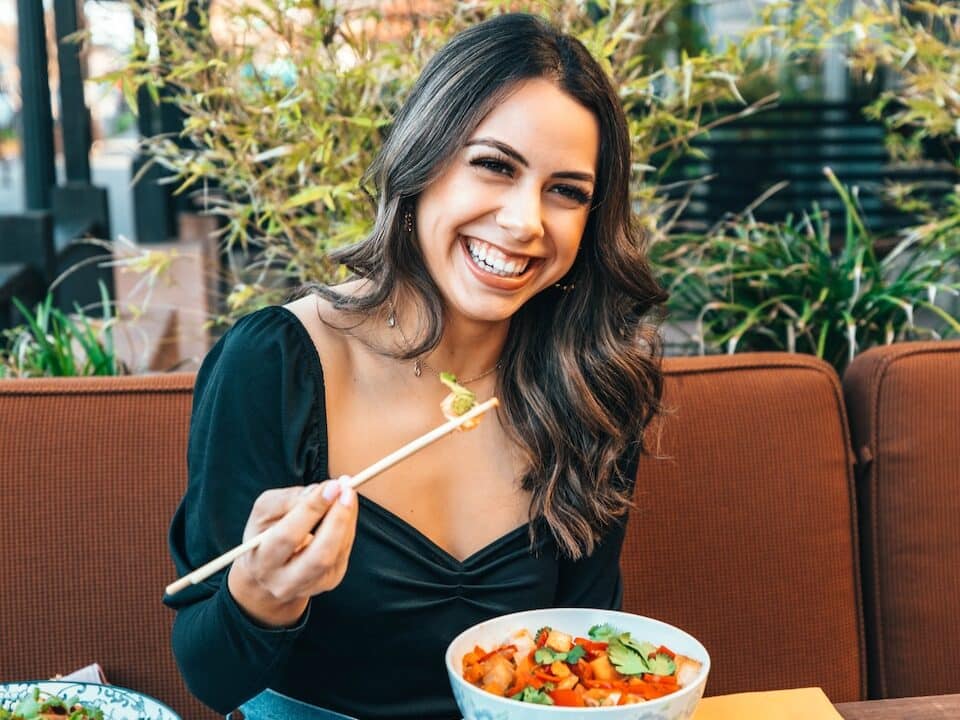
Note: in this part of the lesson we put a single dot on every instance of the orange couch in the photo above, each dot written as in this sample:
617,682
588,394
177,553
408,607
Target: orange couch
904,403
747,530
92,471
744,532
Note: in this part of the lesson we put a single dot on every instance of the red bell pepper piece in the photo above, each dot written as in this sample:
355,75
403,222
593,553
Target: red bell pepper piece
663,649
591,646
545,676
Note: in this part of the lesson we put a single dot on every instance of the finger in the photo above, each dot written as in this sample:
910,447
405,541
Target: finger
303,543
323,564
270,506
287,534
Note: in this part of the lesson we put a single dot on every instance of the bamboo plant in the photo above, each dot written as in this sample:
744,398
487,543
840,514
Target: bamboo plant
754,286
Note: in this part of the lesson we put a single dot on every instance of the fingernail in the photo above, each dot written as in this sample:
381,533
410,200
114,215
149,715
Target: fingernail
346,495
331,490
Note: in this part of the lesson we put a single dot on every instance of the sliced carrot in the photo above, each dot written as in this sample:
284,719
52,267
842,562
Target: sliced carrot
660,679
607,685
545,676
566,698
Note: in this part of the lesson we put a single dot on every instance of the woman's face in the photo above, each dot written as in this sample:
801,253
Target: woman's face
505,218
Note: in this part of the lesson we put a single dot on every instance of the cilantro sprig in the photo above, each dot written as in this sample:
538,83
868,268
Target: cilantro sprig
546,656
630,657
602,633
532,695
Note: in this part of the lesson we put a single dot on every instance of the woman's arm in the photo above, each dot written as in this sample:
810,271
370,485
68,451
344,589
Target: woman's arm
254,428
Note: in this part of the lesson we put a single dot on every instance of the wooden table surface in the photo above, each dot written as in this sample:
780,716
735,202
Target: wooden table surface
936,707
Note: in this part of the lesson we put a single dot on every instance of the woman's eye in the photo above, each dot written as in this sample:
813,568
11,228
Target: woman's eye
581,197
493,165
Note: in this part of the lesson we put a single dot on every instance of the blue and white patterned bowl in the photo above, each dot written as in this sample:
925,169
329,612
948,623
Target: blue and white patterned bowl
117,703
477,704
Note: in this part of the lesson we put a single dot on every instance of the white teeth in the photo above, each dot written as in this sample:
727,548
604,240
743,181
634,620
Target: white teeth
492,260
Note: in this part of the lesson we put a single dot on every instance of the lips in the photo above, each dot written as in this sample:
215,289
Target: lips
494,260
494,268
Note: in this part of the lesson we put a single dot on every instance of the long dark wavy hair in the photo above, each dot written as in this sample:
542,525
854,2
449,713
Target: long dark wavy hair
580,376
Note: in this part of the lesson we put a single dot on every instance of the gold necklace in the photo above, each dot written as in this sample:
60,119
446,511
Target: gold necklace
419,364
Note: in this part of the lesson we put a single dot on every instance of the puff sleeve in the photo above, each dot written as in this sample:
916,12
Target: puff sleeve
257,423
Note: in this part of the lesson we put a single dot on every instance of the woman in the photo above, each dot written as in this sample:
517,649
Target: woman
503,252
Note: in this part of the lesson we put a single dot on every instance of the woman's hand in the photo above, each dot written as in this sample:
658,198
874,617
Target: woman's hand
297,559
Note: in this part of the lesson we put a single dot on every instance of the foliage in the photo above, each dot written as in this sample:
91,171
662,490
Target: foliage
916,43
53,343
780,286
754,286
285,112
922,41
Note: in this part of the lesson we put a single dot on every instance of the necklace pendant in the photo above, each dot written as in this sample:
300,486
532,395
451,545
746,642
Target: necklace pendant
391,320
418,368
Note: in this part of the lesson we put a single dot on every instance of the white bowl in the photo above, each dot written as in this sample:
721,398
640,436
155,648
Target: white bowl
477,704
117,703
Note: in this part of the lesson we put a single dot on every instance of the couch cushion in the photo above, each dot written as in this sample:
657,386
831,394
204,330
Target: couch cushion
904,403
93,469
743,531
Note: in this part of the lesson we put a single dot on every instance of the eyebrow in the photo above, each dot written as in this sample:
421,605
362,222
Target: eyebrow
511,153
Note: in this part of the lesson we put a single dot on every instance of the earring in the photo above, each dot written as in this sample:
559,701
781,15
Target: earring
564,287
408,220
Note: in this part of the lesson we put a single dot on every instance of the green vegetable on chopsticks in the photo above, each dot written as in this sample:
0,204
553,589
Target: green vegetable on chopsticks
461,399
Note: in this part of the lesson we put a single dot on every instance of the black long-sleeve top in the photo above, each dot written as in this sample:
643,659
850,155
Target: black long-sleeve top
373,647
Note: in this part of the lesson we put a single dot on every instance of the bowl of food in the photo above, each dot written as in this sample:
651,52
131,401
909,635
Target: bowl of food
565,663
62,699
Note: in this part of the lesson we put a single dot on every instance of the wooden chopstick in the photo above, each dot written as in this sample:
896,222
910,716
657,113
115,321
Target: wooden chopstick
217,564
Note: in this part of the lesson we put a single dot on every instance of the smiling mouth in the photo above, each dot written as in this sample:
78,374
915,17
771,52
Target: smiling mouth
492,260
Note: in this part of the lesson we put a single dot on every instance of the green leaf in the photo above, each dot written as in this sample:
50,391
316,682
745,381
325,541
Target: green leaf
646,649
577,652
662,664
625,659
308,196
546,655
602,633
29,707
532,695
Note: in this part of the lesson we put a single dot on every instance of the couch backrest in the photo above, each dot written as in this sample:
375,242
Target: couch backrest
904,403
743,532
91,471
744,528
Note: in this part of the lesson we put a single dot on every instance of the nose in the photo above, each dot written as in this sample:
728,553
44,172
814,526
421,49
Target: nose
520,214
